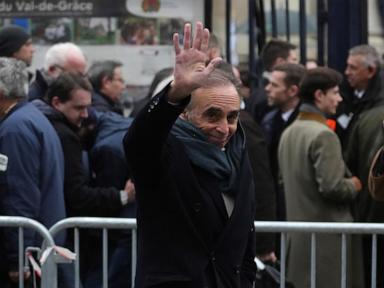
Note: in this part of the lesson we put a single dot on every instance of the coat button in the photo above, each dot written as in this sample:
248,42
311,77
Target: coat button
197,207
237,269
213,258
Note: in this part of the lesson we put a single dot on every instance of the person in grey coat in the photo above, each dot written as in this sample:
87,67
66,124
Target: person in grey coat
317,183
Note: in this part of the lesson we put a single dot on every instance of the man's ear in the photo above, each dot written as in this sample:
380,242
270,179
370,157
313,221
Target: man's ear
279,60
371,71
55,102
54,71
318,96
184,115
104,81
293,91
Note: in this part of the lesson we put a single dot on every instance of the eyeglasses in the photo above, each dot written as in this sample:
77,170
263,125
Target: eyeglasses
62,69
59,67
119,79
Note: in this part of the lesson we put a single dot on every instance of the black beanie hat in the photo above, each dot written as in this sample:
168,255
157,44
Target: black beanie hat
11,39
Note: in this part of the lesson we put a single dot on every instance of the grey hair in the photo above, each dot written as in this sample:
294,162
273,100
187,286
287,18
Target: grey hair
59,53
13,78
101,69
222,76
369,53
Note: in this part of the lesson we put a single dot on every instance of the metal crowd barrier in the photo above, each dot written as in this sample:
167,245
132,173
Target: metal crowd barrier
49,270
97,223
48,275
323,227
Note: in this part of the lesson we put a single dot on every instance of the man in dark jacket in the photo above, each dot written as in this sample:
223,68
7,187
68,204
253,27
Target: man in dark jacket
361,133
69,97
364,90
108,85
283,95
195,195
109,169
31,170
274,53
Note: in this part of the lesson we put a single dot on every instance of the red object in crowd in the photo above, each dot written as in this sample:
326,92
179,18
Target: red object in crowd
331,124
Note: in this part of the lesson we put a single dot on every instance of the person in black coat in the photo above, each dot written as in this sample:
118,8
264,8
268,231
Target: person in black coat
283,95
69,98
109,169
193,180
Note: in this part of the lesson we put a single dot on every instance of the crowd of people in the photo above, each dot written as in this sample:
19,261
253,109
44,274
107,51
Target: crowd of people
196,163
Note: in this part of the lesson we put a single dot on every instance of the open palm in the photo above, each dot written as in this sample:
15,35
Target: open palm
190,71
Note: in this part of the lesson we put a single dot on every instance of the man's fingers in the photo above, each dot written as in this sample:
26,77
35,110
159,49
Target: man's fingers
198,36
176,43
205,41
187,36
212,64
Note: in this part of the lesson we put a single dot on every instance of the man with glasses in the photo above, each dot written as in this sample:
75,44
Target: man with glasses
59,58
108,85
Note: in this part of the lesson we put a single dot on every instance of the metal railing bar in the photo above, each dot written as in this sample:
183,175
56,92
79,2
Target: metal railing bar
313,260
77,260
21,257
319,227
283,240
374,261
17,221
93,222
105,258
134,256
287,21
343,260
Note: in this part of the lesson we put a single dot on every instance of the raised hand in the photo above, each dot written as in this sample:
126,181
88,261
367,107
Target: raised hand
190,71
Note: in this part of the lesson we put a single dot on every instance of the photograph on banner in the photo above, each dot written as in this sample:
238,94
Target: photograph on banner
148,31
138,31
95,31
48,31
185,9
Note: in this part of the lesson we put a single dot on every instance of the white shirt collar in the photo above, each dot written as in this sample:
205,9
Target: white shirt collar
359,94
285,115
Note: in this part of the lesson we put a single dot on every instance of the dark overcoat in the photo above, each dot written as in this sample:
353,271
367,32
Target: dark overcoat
185,236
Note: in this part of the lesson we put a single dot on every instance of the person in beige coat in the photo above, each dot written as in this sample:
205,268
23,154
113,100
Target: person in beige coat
316,181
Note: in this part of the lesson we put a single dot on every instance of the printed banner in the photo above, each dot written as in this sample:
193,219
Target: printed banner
62,8
96,8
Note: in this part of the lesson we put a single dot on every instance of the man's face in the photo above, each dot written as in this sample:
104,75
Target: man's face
113,88
75,109
292,57
358,73
277,91
25,53
215,111
328,101
76,65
